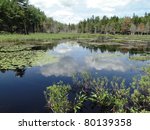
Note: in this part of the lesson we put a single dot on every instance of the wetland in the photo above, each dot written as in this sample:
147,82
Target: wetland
27,69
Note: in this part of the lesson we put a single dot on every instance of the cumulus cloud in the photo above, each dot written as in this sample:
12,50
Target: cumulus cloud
60,10
44,3
68,3
65,16
72,11
107,5
50,3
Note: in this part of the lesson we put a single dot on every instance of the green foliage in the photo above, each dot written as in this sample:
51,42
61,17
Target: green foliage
115,25
110,96
43,37
57,96
141,95
102,98
78,101
147,70
112,99
121,96
16,16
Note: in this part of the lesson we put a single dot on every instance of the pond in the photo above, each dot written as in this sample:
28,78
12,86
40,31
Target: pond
27,69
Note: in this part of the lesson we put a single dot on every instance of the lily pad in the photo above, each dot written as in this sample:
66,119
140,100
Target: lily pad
22,56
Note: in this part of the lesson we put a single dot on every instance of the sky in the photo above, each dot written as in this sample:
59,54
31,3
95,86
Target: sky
73,11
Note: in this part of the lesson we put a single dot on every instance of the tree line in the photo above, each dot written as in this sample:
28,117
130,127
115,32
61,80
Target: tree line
116,25
18,16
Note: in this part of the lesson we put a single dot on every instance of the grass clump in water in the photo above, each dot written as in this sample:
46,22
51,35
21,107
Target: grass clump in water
57,96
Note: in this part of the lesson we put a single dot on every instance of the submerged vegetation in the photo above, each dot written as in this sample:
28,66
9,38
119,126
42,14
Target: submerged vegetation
102,95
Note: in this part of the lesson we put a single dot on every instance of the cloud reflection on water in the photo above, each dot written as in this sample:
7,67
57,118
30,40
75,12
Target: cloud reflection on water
65,67
111,64
69,64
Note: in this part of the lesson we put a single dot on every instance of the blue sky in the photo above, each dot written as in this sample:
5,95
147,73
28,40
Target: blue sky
72,11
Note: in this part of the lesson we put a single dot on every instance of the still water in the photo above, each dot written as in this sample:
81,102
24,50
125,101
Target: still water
21,90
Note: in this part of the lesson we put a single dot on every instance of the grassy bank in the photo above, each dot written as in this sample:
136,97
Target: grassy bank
98,38
43,37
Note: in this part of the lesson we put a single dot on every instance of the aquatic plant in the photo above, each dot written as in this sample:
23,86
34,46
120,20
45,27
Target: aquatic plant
141,94
110,96
57,97
22,56
78,101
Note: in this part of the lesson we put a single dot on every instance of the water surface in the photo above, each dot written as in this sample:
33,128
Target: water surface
22,84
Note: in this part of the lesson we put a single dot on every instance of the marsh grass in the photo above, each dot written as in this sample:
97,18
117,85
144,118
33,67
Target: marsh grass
43,37
81,37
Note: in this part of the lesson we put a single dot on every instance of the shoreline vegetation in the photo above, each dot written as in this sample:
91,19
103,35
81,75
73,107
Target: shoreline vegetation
80,37
124,42
21,17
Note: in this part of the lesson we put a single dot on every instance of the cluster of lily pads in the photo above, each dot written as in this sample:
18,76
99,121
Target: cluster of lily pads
100,95
19,56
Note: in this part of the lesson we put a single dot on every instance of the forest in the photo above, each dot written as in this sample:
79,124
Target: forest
18,16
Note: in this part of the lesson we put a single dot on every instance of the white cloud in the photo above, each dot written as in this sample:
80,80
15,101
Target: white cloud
58,3
108,9
68,3
60,10
72,11
44,3
63,13
107,5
